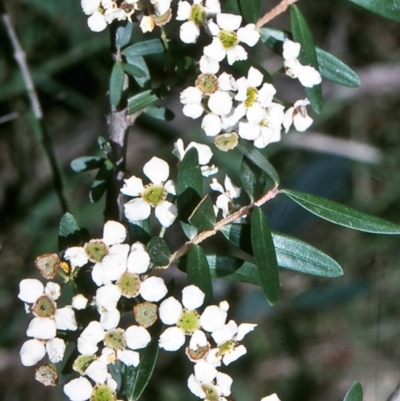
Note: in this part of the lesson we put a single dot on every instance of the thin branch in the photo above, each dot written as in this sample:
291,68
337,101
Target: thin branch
279,9
245,210
20,58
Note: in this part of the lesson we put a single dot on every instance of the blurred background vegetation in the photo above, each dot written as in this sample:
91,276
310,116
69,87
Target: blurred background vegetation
324,333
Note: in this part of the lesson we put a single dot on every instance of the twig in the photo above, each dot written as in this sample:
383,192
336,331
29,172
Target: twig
279,9
220,224
20,58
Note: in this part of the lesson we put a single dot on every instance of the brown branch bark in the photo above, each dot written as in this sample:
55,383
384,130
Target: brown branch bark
279,9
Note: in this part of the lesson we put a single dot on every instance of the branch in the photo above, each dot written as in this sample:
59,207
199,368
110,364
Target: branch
245,210
279,9
20,58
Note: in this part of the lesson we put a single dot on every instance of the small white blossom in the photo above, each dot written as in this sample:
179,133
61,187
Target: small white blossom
228,194
79,302
298,116
272,397
152,195
307,75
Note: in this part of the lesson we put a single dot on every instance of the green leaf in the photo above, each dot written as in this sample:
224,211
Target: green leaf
158,251
189,230
264,252
100,182
254,180
152,46
123,34
69,233
258,159
140,231
137,68
308,55
137,378
203,217
251,10
141,101
116,83
335,70
330,67
198,272
355,392
86,163
291,253
341,214
386,8
231,7
159,113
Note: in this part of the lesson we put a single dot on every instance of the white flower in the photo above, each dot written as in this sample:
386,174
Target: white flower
226,38
207,383
227,339
97,10
152,195
161,6
106,301
272,397
79,302
195,16
81,389
204,152
298,116
307,75
186,319
34,350
228,194
191,98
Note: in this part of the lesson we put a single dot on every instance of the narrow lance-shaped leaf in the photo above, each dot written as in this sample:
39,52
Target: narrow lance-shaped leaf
258,159
159,113
123,33
158,251
386,8
254,180
100,182
251,10
86,163
308,56
141,101
355,393
137,68
203,217
198,271
341,214
136,378
264,252
116,83
152,46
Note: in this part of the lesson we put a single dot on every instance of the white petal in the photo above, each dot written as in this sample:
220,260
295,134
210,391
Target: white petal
208,65
42,328
231,190
236,54
114,233
93,331
55,349
129,358
110,319
244,329
220,103
226,82
157,170
65,318
132,186
204,152
254,77
30,289
302,123
266,94
216,186
215,51
288,119
97,22
147,23
32,351
172,339
79,302
137,337
213,318
114,264
138,260
99,275
170,187
97,371
195,387
272,397
153,289
170,311
248,35
86,346
204,372
193,110
198,339
249,131
229,22
90,6
77,256
235,354
52,290
223,204
166,213
78,389
309,76
136,210
192,297
189,32
184,11
211,124
108,296
291,49
224,383
223,335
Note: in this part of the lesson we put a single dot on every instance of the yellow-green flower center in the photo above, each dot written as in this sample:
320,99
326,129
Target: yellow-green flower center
227,141
251,97
228,39
207,83
145,313
129,284
197,15
96,250
115,339
154,194
48,265
226,347
44,307
189,321
211,392
102,392
82,363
